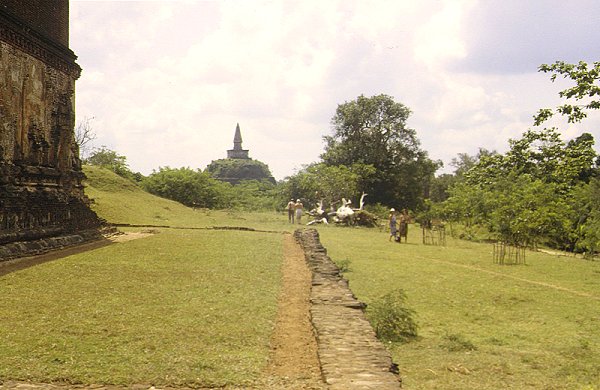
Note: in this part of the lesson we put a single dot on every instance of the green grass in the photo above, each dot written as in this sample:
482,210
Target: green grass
196,307
182,307
120,201
481,325
178,308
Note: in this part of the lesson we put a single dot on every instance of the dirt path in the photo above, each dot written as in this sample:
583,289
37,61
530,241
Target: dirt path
294,363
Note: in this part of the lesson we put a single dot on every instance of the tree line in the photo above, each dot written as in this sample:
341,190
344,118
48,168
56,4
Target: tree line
543,190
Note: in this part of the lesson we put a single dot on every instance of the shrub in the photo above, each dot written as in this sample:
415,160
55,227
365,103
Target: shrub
391,319
344,265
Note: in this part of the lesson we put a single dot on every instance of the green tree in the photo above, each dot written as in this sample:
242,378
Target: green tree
320,181
254,195
525,195
373,131
107,158
543,155
585,236
462,164
582,97
526,211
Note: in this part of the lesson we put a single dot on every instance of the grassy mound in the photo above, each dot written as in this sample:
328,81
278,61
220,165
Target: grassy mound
121,201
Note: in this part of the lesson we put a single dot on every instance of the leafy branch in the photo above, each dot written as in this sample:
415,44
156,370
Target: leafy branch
586,86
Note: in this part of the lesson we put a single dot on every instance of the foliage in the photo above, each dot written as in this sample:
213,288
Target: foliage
254,195
524,195
543,155
372,131
329,183
110,159
244,169
195,188
462,163
523,211
344,265
586,88
440,186
586,218
381,211
190,187
391,319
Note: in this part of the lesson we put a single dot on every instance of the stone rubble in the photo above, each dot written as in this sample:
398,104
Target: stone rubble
351,356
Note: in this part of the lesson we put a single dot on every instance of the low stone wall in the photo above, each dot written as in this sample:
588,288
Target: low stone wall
350,355
35,247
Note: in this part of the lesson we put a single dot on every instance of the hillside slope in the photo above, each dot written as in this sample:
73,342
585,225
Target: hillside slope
120,201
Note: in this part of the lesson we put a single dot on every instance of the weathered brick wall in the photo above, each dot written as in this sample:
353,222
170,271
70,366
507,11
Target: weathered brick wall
41,192
48,17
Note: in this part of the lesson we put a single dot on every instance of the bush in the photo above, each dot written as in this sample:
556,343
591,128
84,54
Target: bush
391,319
344,265
190,187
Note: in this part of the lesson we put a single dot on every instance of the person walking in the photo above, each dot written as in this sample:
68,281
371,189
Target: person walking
291,208
299,209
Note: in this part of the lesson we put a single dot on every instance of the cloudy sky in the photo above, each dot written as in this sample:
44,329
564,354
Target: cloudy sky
167,81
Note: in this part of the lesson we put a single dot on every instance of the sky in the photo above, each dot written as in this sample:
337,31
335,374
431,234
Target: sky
166,82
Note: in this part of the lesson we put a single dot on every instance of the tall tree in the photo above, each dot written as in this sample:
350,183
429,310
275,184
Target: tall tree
373,131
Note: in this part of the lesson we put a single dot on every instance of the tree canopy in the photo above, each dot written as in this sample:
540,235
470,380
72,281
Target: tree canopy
373,131
110,159
525,196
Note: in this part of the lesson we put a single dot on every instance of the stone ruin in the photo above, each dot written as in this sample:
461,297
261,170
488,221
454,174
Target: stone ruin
41,191
238,166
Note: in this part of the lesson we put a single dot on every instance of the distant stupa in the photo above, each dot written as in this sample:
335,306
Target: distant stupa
238,166
237,152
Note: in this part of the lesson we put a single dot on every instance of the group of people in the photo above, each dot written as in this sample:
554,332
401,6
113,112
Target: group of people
295,210
398,225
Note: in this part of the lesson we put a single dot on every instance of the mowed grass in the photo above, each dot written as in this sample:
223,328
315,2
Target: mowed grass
191,307
481,325
179,308
196,307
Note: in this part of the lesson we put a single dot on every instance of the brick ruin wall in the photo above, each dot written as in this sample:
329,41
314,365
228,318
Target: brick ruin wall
41,192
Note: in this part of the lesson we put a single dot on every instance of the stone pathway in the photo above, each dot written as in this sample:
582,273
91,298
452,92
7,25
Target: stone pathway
351,356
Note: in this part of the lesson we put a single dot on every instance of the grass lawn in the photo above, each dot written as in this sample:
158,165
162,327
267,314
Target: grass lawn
482,325
181,307
197,307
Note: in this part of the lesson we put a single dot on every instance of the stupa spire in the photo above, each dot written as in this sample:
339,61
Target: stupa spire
237,138
237,152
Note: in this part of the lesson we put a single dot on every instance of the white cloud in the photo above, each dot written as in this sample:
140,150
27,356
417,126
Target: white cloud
167,81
